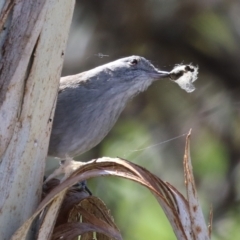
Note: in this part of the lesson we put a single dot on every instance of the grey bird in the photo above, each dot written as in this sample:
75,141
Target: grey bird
90,103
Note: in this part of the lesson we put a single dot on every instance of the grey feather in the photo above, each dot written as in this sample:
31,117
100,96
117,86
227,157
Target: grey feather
90,103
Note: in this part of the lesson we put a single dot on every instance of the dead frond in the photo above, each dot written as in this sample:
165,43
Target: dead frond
76,213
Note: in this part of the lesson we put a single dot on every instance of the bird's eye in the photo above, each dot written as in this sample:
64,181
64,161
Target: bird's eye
134,62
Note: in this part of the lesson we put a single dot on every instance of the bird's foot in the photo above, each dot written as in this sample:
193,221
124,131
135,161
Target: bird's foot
82,186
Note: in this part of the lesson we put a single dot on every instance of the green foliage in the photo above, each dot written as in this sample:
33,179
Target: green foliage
213,33
210,160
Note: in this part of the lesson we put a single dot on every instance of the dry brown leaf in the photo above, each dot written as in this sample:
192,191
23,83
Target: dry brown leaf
72,199
70,230
78,206
199,227
105,229
123,168
184,215
96,207
48,223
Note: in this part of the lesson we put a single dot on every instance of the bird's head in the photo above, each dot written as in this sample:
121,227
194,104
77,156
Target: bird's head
129,75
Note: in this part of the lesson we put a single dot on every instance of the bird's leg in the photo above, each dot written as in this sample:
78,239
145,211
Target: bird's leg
67,166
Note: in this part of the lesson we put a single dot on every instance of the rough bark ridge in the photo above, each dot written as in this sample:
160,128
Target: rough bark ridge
32,40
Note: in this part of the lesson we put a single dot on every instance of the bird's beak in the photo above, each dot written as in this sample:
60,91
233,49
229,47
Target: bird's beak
163,74
157,74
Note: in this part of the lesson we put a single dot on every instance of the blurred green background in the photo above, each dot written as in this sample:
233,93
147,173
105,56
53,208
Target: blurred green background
168,32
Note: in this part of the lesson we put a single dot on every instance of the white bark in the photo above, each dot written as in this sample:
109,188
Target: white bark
31,58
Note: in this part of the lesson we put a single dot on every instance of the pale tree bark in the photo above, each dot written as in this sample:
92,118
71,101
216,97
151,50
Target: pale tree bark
32,40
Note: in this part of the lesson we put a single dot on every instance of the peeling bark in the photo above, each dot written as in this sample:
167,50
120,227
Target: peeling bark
32,39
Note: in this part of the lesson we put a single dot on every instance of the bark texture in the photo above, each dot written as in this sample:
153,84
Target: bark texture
32,39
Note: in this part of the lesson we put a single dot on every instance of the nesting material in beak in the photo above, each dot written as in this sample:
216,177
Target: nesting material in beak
184,76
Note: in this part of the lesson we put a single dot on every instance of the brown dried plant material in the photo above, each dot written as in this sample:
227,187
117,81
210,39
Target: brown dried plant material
198,226
71,230
96,207
90,214
90,210
185,215
73,197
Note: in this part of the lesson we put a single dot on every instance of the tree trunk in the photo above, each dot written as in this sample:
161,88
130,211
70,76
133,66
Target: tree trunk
32,40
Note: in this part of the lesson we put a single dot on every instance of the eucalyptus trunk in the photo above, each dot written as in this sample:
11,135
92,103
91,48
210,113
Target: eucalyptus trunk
32,39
